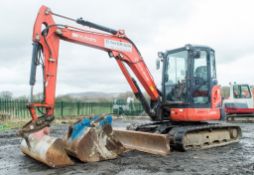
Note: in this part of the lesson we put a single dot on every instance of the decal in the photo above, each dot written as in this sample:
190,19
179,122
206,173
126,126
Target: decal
83,37
117,45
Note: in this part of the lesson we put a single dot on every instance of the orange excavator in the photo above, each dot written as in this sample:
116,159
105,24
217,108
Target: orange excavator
190,96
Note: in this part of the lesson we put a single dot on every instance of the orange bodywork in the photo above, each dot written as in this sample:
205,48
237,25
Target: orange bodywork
200,114
117,45
194,114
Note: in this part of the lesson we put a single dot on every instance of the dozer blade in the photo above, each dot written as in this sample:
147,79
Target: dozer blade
46,149
144,141
92,140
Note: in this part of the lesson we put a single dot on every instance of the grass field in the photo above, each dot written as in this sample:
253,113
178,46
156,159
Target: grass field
10,124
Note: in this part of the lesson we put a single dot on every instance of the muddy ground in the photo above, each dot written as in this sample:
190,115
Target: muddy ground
232,159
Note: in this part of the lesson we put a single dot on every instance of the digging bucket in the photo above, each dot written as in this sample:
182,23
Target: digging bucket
46,149
92,139
144,141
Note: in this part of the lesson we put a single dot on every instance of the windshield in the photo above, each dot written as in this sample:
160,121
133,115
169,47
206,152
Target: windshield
241,91
188,77
175,77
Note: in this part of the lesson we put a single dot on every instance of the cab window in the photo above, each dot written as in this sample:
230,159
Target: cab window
241,91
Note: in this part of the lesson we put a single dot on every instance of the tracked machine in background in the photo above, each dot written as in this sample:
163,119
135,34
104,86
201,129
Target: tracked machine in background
189,98
239,106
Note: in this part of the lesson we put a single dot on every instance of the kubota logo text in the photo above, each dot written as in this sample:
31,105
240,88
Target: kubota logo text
83,37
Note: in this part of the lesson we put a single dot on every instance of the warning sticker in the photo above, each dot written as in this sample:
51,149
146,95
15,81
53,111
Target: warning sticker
116,45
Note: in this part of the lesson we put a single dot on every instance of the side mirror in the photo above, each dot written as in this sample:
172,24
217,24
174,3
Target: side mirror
214,81
159,59
158,63
160,54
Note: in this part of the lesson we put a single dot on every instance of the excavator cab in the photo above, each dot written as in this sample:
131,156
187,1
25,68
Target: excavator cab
190,99
189,82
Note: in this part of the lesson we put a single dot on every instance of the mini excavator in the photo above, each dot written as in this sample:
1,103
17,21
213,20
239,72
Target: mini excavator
239,106
189,98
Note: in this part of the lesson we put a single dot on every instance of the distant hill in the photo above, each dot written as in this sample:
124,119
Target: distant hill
93,96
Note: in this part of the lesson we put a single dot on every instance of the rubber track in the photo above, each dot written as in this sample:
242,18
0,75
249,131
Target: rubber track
178,133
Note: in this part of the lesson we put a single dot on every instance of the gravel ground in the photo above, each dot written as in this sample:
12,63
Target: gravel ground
232,159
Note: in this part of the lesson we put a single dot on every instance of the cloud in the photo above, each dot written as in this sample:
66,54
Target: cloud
239,71
152,25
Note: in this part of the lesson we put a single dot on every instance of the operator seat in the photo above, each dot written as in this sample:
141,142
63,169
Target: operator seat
200,93
201,72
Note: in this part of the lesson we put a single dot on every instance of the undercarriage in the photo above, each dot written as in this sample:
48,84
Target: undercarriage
193,136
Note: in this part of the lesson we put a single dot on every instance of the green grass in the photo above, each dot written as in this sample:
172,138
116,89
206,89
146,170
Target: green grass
3,127
11,124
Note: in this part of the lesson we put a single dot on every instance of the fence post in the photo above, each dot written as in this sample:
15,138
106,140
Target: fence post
21,109
78,108
61,106
5,105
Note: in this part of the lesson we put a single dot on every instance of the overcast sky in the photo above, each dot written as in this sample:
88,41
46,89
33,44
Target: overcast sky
153,25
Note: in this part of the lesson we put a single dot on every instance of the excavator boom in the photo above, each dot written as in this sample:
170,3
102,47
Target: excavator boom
86,141
114,42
